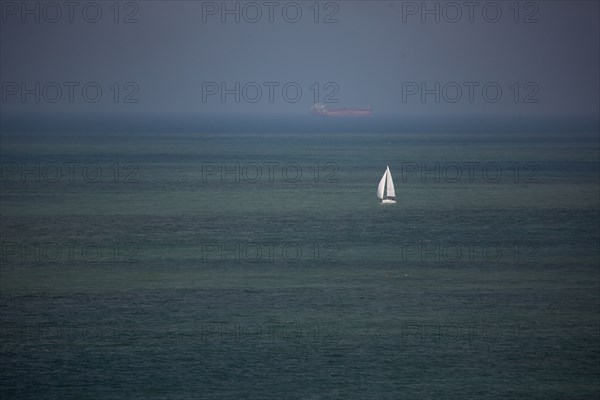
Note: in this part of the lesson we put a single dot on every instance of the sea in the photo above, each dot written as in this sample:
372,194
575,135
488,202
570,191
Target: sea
249,264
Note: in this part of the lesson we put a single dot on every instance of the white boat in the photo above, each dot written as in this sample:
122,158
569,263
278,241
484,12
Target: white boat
385,190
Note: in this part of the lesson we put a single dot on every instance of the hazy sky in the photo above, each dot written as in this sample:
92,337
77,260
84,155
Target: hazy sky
178,56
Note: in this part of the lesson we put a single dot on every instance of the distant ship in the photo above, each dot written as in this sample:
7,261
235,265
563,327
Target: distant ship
321,109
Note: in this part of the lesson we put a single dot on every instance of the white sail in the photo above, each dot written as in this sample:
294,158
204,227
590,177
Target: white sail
390,184
381,185
385,190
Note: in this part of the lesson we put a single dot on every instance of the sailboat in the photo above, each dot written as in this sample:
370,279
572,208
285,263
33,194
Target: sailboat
385,190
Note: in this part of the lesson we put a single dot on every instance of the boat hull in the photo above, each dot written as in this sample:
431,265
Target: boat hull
388,201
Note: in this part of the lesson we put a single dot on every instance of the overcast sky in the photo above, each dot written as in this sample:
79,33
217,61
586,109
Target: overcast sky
177,56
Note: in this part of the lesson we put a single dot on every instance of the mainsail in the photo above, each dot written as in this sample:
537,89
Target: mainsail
390,184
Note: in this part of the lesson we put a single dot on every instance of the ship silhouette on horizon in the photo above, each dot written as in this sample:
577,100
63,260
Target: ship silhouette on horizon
321,109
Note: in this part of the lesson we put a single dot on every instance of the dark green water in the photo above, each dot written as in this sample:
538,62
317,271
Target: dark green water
131,268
